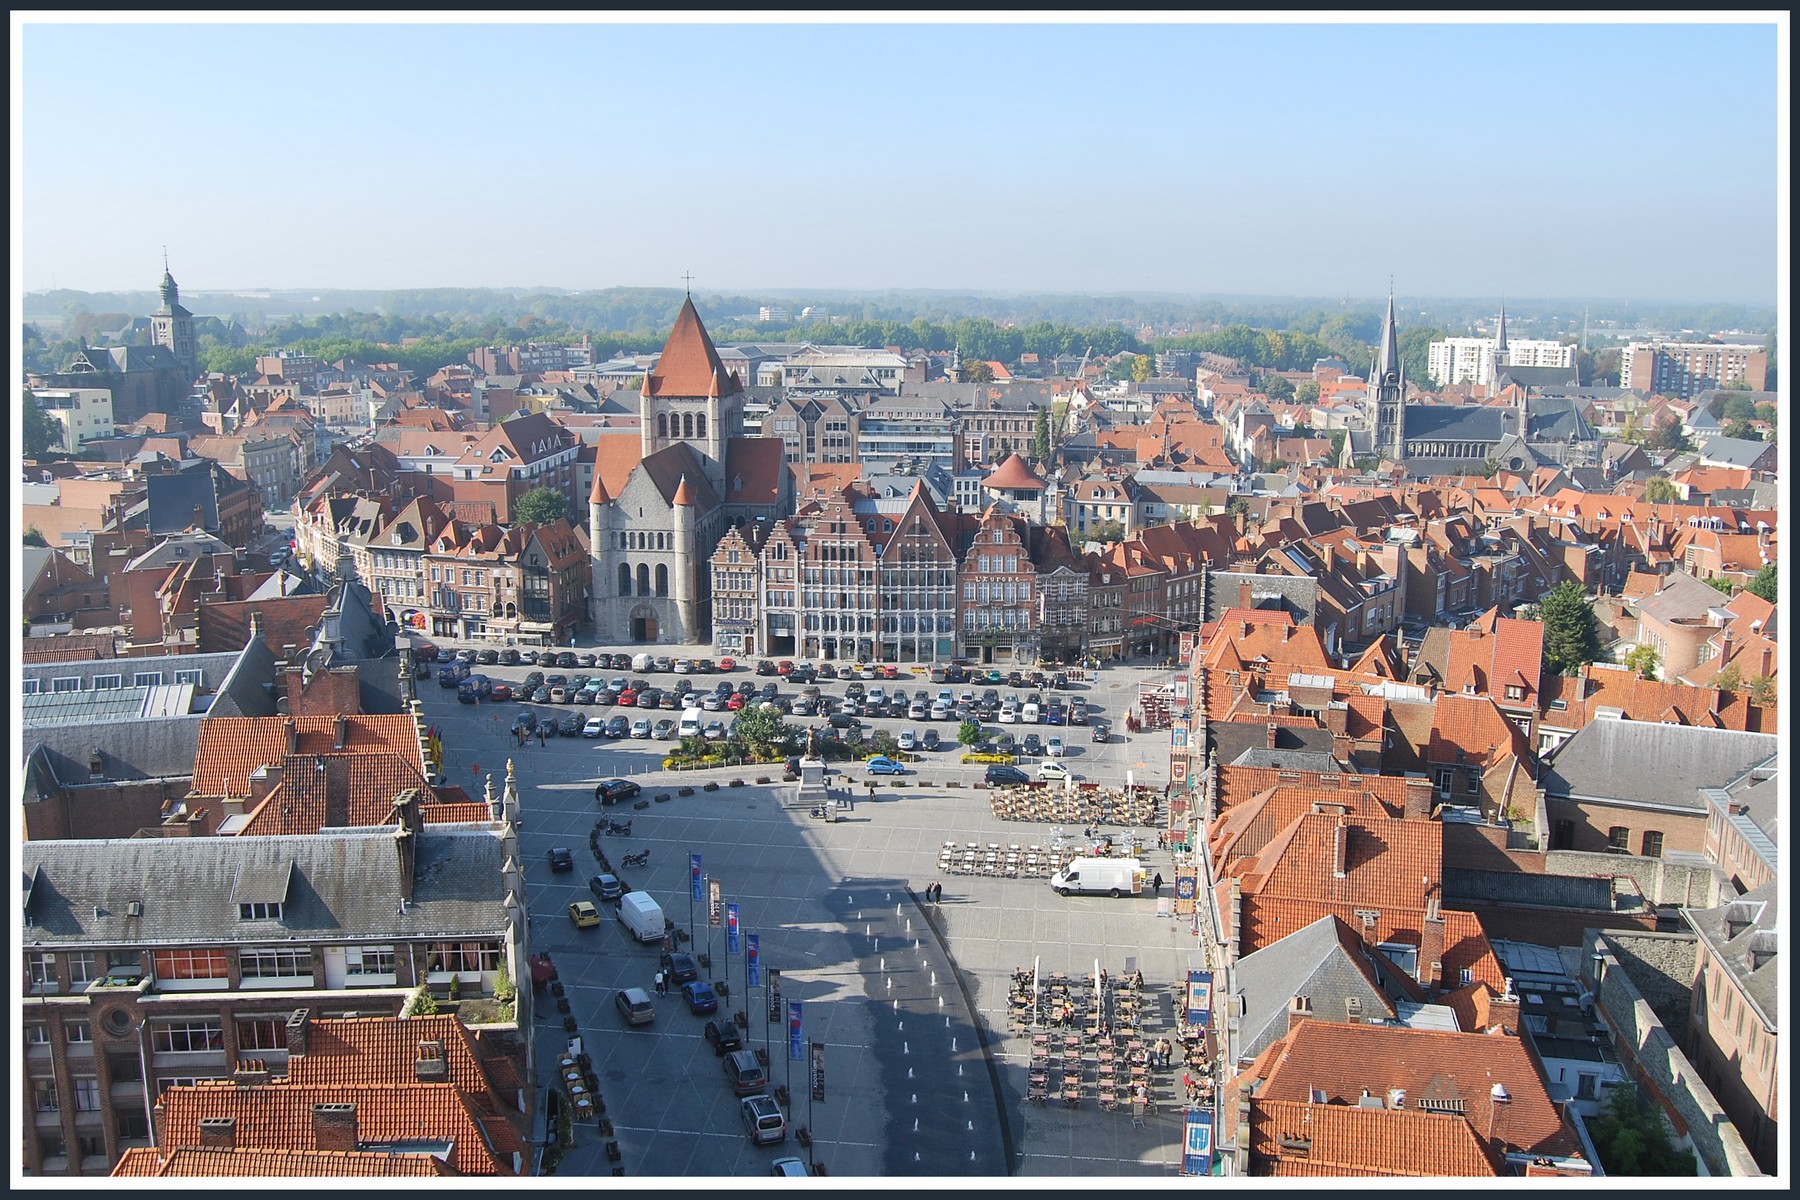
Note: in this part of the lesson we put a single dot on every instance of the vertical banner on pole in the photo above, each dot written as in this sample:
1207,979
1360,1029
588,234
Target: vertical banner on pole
796,1045
1186,643
715,910
731,929
752,967
1196,1147
1199,998
818,1071
694,878
774,995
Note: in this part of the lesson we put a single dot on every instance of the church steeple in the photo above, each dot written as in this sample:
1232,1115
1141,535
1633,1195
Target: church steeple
1387,390
1500,336
1388,359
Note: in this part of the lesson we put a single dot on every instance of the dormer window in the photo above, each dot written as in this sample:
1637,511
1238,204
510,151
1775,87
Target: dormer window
260,912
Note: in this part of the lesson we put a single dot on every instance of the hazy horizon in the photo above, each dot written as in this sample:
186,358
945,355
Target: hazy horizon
1174,160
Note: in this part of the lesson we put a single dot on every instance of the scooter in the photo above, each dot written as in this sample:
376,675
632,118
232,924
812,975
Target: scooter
640,859
619,828
818,810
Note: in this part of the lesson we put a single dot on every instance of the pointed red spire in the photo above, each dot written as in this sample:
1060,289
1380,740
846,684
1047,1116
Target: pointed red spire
689,365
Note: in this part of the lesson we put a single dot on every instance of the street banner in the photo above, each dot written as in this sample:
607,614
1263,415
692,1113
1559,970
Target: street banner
1178,770
731,929
1186,642
774,996
753,968
1187,886
818,1070
1178,736
796,1042
1199,998
1181,690
715,910
1196,1147
694,878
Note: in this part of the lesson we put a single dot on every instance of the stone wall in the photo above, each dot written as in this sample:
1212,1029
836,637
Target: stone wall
1661,966
1686,882
1658,1066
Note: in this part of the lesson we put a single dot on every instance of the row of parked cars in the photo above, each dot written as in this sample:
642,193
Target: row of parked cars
803,672
569,660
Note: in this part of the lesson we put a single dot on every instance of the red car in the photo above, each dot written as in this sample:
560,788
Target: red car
736,702
784,667
890,672
728,664
500,692
425,652
628,698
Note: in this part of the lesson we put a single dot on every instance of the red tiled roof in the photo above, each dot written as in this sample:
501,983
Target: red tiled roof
689,365
1014,472
367,1050
450,814
231,748
188,1163
1345,1060
753,469
349,790
1297,1138
1474,726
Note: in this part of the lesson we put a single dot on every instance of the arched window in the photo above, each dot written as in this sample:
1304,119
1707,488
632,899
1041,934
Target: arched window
624,579
643,579
662,579
687,425
700,425
662,425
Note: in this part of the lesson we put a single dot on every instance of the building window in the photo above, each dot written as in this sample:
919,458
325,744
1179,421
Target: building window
187,1037
131,1125
369,960
87,1095
259,912
261,1033
624,579
78,1031
1618,840
662,579
51,1149
105,683
191,964
43,972
147,679
464,956
66,683
1653,843
81,967
124,1068
271,962
44,1091
29,687
37,1033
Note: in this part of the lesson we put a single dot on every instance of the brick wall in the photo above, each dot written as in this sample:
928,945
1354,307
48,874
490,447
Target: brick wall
1682,831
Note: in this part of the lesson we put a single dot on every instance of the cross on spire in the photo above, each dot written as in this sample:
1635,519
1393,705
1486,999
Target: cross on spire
688,279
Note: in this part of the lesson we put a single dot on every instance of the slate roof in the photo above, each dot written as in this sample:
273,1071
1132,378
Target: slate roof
1653,763
173,497
343,887
1323,962
1733,452
668,467
1455,422
1744,934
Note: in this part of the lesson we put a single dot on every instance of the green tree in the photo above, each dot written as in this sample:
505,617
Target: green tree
1730,679
42,431
1635,1139
1040,437
968,733
1766,413
1571,635
1669,436
1762,690
1307,392
1743,430
761,727
34,538
1644,660
1278,389
1737,407
1337,446
1722,584
1764,584
541,506
1143,367
976,370
1659,490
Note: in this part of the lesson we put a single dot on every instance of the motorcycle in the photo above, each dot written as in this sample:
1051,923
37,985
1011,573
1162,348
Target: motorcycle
640,859
818,810
619,828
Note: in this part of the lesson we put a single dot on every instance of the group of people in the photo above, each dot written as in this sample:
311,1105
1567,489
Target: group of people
934,893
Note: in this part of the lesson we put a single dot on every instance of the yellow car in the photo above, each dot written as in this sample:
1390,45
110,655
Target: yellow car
584,914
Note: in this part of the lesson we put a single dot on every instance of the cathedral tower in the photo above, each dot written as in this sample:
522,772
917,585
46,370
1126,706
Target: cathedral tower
690,397
172,326
1387,392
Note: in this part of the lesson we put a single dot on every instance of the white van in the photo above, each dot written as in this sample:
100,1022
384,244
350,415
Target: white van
1029,713
641,662
643,916
1096,876
690,723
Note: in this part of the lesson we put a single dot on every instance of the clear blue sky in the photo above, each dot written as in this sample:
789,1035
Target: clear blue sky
1616,160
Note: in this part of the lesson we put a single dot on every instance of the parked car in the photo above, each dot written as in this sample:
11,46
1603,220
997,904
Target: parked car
1054,747
526,720
714,731
500,691
594,727
1005,775
561,859
744,1072
584,914
908,740
487,656
784,667
843,721
680,968
727,664
700,998
827,671
606,887
789,1168
426,652
1050,769
724,1037
663,731
612,791
1033,744
635,1005
640,728
532,682
617,726
880,764
568,660
1102,732
587,660
932,741
763,1120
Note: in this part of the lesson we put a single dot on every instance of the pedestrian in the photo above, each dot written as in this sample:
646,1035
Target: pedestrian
1156,885
659,983
540,735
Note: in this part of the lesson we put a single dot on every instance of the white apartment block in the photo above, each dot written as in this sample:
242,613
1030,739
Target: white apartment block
1472,360
83,413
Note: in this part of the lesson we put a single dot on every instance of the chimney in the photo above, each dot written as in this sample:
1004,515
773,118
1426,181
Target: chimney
250,1072
1299,1009
297,1025
1273,732
1418,799
1762,662
218,1133
340,731
408,846
1337,719
431,1065
256,624
157,1114
1340,848
1244,598
334,1127
1287,633
408,813
292,731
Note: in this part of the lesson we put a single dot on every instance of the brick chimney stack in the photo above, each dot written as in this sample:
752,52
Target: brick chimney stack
431,1066
334,1127
340,731
218,1133
1418,799
1299,1009
297,1027
1273,732
1245,599
1340,848
292,731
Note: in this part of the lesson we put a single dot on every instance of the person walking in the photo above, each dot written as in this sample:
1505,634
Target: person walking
1156,885
659,983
